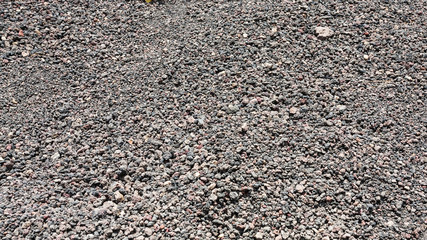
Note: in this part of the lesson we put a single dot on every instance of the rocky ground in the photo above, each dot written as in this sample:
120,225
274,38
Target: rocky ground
213,119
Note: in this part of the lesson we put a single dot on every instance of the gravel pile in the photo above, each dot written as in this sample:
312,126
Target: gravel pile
213,119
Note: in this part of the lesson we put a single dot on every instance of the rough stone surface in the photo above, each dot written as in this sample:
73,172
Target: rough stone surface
259,236
212,119
324,32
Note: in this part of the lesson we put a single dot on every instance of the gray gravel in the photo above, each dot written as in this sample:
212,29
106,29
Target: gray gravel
213,120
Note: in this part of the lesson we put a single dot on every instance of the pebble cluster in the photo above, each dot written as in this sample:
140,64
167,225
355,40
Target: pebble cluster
213,119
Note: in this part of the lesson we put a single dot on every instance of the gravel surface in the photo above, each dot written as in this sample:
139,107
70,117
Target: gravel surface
213,119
